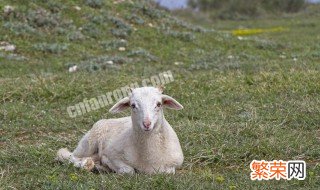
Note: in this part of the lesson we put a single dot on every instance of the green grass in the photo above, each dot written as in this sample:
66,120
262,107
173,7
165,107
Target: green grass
255,98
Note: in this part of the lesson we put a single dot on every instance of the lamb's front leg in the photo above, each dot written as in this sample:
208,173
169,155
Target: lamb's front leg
117,165
124,168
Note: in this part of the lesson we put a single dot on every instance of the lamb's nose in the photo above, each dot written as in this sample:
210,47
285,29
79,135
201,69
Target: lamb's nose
147,124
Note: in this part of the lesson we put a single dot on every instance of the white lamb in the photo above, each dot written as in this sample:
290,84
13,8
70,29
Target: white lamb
144,142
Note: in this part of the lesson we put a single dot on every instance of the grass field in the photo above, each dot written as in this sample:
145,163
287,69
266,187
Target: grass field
245,98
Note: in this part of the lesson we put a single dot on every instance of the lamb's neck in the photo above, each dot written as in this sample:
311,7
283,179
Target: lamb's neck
146,140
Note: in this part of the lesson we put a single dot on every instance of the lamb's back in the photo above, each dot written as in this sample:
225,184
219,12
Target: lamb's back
105,131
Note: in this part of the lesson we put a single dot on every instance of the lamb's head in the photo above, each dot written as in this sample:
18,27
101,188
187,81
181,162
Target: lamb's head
146,107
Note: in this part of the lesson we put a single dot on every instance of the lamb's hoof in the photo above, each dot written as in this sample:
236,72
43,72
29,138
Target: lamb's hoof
101,169
88,164
126,170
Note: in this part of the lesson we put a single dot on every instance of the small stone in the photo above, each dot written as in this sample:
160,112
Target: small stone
178,63
77,8
122,49
118,1
110,62
7,46
8,9
10,48
73,69
240,38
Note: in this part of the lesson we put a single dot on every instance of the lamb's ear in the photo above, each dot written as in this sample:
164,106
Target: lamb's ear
171,103
121,105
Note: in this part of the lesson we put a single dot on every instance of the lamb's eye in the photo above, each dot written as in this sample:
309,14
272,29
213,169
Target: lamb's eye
158,104
133,106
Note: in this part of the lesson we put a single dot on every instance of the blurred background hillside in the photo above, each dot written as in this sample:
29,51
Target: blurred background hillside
238,9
